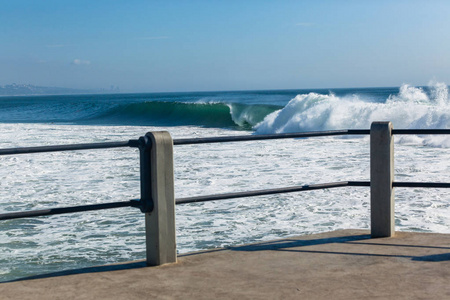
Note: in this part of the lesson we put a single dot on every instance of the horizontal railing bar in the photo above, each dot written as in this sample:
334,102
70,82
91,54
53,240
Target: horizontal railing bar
405,184
66,210
422,184
420,131
243,138
303,188
222,139
261,192
135,203
68,147
358,183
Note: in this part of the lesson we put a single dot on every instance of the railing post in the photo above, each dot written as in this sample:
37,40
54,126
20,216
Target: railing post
157,197
381,178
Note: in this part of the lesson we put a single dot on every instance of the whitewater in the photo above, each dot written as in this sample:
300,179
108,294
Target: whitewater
37,181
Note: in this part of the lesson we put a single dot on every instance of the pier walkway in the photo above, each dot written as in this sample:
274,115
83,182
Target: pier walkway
345,264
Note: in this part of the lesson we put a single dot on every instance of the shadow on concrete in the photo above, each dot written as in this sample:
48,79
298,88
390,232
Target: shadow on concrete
289,245
97,269
293,243
401,245
283,244
435,257
271,245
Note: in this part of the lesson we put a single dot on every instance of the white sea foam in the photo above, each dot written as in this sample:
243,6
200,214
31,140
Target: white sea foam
411,108
37,181
39,245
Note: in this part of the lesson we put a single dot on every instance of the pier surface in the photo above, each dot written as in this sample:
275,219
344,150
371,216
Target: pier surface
345,264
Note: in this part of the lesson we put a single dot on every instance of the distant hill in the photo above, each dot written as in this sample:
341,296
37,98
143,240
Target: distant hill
28,89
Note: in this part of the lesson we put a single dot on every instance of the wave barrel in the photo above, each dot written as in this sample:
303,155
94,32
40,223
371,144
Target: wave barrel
381,178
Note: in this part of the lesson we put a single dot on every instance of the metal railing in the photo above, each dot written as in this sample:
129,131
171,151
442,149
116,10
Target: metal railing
157,199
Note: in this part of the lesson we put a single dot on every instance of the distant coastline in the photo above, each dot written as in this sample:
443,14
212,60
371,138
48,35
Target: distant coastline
32,90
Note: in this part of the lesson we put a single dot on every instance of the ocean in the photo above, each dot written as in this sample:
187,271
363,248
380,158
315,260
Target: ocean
55,243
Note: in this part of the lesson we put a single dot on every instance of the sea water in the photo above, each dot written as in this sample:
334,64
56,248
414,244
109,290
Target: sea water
54,243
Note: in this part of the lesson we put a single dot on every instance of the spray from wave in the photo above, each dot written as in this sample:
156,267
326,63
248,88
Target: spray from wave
412,107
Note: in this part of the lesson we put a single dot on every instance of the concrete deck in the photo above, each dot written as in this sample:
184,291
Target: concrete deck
343,264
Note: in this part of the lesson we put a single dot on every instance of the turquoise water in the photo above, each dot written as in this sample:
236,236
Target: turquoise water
211,109
37,181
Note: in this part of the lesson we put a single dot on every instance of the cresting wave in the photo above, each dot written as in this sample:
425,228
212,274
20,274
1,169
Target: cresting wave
161,113
412,108
262,112
145,113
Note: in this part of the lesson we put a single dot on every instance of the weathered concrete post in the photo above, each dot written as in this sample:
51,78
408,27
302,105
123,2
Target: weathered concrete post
158,197
381,178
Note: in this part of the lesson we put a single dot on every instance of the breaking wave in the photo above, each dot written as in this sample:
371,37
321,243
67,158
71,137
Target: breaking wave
412,107
160,113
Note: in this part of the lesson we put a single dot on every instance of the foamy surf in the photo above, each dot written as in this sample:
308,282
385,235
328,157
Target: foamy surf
411,108
39,181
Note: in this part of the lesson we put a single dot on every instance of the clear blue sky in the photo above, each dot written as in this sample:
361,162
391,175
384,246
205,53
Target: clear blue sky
223,45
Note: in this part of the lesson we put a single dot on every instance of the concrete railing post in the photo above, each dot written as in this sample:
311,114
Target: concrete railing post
381,178
158,197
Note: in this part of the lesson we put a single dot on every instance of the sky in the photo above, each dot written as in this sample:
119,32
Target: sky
168,46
